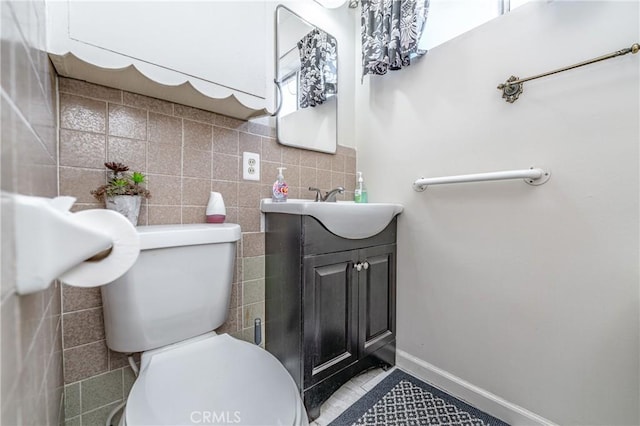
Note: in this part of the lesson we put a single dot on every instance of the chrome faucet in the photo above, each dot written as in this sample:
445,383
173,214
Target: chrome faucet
328,197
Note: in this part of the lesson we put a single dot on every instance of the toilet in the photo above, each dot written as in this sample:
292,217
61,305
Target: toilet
167,306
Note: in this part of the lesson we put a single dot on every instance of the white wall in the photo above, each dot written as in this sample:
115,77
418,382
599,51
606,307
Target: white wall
530,293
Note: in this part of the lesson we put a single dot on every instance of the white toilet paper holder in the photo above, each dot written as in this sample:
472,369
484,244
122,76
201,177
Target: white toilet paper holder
50,241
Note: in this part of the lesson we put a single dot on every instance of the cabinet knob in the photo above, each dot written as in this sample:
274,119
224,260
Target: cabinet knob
358,266
365,265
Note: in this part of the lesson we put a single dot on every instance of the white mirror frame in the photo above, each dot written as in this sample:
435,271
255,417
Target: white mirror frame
315,128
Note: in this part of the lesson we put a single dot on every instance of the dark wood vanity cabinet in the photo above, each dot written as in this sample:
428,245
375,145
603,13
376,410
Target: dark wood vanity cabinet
330,303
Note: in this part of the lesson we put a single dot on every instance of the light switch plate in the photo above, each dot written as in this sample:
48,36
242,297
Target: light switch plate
250,166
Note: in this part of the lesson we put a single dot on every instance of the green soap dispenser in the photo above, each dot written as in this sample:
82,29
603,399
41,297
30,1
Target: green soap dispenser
360,194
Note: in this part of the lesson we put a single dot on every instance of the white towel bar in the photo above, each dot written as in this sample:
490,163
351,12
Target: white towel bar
532,176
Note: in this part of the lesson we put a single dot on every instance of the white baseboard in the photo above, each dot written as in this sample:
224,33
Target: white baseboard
473,395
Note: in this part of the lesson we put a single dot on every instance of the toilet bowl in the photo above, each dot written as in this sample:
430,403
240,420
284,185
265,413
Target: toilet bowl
213,379
166,307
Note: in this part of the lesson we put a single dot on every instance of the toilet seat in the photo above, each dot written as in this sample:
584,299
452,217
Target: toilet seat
214,380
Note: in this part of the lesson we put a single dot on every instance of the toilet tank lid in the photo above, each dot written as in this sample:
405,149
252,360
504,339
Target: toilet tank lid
159,236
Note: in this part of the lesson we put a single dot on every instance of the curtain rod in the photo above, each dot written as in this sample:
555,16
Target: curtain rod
512,88
532,176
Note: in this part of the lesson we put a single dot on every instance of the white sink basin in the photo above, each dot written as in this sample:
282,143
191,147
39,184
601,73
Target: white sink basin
344,218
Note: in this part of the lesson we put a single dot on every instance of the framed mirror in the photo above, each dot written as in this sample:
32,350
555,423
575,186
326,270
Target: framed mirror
306,62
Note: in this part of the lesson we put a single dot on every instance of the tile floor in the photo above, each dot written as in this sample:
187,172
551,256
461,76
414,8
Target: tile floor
349,393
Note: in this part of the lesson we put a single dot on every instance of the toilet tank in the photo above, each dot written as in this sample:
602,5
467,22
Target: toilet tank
178,288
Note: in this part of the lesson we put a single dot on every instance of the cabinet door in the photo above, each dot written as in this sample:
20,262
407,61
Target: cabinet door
330,314
377,288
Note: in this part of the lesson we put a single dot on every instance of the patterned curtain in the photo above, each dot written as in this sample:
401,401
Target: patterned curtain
318,68
391,30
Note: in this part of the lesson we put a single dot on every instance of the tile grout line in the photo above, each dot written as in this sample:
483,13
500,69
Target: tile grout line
146,168
182,170
57,94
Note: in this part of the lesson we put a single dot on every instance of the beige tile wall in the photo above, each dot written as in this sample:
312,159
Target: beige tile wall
186,153
30,337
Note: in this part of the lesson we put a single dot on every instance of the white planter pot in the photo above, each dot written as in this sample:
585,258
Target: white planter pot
127,205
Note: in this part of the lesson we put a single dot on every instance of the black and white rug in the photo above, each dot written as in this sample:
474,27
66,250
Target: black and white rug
402,400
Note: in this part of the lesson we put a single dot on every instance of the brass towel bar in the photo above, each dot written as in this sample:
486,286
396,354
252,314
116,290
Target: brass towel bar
512,88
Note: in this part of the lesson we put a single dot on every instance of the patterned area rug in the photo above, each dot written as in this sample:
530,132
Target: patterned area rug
402,400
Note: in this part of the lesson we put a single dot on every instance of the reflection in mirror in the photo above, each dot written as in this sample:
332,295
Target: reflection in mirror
307,74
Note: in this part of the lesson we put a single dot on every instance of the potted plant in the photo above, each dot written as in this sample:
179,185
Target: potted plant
123,192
